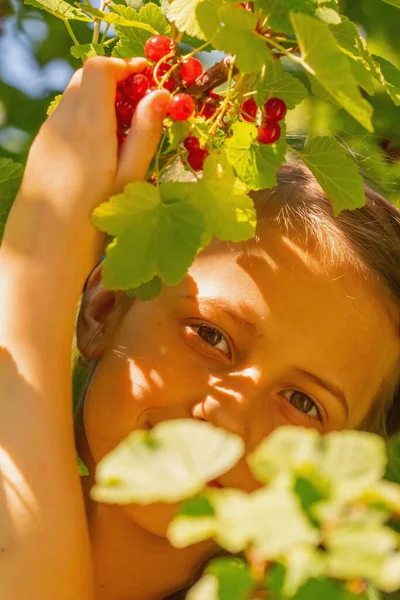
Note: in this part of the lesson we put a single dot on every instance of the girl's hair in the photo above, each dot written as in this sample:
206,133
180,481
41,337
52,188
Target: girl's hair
366,239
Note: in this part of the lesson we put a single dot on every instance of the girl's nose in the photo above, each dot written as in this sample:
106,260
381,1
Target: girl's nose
231,402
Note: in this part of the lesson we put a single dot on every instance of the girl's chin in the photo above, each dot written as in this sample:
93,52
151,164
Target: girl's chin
153,518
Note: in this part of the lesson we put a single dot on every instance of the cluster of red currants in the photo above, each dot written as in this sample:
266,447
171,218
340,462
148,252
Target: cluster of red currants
274,110
174,75
132,89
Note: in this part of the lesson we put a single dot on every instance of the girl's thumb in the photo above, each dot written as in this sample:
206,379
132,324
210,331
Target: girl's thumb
143,138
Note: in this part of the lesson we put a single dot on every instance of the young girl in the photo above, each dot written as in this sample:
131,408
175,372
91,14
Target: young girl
297,326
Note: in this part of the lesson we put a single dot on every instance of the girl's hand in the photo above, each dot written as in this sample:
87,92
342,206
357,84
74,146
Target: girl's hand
73,162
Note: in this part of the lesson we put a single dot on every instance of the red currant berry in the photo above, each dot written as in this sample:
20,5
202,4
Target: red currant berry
124,111
196,158
249,110
206,110
149,73
136,86
275,109
190,70
181,107
269,133
157,47
162,70
191,143
214,96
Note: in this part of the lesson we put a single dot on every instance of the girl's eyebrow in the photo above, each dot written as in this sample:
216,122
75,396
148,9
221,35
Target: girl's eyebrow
224,306
330,386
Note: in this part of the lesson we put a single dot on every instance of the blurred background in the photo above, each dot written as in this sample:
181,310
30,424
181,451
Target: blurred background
36,65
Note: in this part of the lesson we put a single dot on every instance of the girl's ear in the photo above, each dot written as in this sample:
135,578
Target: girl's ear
96,315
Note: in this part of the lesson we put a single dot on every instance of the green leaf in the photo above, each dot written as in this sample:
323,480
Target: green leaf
53,104
275,82
236,35
255,164
278,15
198,506
177,131
390,78
335,171
10,180
87,50
204,589
147,291
355,47
152,237
361,550
235,581
228,210
183,14
149,21
285,450
322,58
395,3
353,460
171,462
302,564
82,468
60,8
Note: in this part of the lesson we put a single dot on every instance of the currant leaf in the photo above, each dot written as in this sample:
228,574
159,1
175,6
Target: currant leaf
395,3
60,8
355,47
147,291
149,21
151,236
275,82
10,180
183,14
322,58
335,171
87,50
171,462
390,78
255,164
236,35
234,577
228,210
53,104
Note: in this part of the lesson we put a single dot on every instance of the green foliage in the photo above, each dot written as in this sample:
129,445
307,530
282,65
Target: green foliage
255,164
87,50
335,171
53,104
335,479
10,180
82,468
275,82
135,28
323,59
171,462
60,9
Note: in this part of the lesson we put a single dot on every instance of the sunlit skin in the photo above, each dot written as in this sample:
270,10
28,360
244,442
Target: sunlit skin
184,355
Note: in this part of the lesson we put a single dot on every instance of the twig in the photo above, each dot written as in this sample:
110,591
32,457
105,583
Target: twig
213,77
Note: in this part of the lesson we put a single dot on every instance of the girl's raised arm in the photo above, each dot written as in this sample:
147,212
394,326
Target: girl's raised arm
48,249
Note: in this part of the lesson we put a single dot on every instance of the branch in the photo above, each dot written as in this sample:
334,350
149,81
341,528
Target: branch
213,77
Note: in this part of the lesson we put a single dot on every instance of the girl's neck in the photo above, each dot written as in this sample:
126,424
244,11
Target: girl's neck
131,563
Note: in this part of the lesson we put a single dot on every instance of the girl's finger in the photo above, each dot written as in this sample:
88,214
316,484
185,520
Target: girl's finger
68,102
143,138
99,82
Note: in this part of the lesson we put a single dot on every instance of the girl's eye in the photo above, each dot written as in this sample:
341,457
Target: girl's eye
213,337
302,402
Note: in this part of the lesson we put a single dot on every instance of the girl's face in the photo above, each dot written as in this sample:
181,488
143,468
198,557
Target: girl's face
258,335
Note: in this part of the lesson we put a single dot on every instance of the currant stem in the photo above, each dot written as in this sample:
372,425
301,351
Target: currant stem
196,50
224,106
110,41
282,49
71,33
104,36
